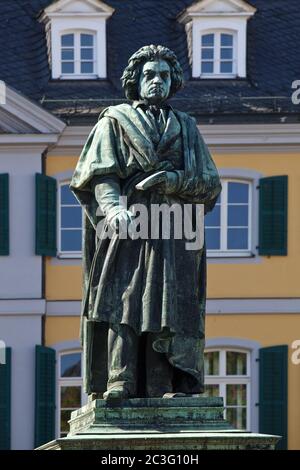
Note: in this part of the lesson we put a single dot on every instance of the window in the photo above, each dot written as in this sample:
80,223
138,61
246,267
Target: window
78,54
218,54
228,226
217,37
227,374
76,38
71,395
70,223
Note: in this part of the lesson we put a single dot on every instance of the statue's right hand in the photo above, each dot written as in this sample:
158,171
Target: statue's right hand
120,221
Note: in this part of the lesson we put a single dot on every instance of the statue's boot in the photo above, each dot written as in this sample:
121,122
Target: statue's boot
116,394
174,395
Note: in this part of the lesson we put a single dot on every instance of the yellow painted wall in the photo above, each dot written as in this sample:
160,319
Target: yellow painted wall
272,277
268,330
61,329
277,276
62,282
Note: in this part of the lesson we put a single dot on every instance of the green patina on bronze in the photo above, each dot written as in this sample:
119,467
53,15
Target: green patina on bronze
155,287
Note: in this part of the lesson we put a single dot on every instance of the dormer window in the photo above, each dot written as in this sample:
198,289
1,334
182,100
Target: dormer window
217,37
218,54
76,38
78,54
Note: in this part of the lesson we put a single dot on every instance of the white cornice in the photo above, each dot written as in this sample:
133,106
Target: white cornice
28,139
74,15
63,8
73,136
219,137
253,306
238,8
22,306
28,113
251,134
270,306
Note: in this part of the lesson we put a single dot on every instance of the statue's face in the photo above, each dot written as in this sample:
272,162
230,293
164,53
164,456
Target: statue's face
155,81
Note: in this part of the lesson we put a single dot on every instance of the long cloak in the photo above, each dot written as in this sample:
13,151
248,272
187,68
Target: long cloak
151,285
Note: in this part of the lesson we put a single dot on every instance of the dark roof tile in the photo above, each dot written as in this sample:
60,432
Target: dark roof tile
273,61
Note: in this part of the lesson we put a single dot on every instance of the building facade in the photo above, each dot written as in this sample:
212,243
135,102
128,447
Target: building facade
58,79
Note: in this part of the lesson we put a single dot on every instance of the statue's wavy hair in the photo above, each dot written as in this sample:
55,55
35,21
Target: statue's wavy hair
131,74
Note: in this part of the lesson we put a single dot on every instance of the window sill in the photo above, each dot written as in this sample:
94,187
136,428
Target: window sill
219,76
230,254
69,255
78,77
210,254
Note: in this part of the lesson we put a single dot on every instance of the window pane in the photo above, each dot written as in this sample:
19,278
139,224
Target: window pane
226,39
211,391
211,363
236,363
238,216
67,67
236,394
87,54
238,192
87,67
212,219
66,195
65,415
71,217
226,53
70,397
207,67
208,40
67,40
226,67
212,237
237,417
87,39
71,240
237,239
207,53
70,365
67,54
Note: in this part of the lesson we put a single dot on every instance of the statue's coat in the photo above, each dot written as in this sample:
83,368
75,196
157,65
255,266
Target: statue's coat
150,285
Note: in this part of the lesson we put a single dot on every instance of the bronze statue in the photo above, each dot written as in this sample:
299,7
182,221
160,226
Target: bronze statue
144,299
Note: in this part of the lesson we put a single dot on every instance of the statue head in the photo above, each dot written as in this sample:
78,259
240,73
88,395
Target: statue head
153,74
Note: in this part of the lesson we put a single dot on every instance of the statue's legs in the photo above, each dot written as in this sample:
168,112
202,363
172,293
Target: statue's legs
159,372
123,349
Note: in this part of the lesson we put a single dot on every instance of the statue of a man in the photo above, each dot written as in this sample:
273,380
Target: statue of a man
144,299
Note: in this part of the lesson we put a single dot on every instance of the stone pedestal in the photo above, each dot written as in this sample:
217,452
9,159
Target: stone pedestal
193,423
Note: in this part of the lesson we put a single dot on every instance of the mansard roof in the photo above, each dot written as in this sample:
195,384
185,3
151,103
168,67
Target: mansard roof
273,61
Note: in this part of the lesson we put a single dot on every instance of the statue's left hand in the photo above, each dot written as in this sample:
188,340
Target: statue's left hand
165,182
171,183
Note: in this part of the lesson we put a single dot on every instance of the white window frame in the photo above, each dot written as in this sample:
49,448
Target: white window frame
222,379
208,15
217,54
61,253
68,382
76,15
223,251
77,55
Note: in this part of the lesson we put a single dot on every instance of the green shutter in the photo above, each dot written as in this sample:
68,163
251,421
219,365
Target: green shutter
45,215
4,215
44,395
273,215
5,401
273,387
